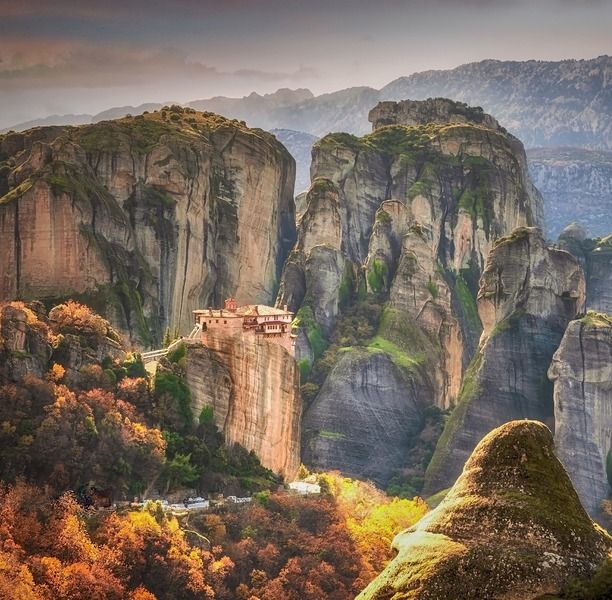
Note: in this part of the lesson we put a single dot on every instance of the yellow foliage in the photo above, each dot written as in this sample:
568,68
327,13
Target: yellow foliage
56,373
372,518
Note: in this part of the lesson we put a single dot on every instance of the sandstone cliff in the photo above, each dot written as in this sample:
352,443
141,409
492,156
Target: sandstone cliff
403,217
145,218
364,417
511,528
528,294
252,386
582,372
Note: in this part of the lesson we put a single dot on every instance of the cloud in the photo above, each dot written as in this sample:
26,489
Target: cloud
62,64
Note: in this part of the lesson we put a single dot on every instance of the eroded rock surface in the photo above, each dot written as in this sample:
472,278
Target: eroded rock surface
404,218
252,386
362,420
145,218
512,528
528,294
582,374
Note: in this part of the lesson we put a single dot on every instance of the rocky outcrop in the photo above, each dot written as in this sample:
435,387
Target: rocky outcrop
528,294
595,256
432,110
511,528
252,386
403,217
576,185
582,374
25,342
362,421
145,218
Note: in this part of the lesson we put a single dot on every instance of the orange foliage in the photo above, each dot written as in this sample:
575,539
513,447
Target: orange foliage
56,373
54,550
72,317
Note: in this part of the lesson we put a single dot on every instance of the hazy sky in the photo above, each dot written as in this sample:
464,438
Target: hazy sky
83,56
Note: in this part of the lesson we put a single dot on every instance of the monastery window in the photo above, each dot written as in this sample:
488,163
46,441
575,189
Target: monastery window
216,320
225,322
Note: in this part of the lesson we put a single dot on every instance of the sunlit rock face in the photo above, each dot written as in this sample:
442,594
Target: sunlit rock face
512,527
253,387
582,374
145,218
528,294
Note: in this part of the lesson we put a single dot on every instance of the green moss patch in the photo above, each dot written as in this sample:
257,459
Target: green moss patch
17,192
305,318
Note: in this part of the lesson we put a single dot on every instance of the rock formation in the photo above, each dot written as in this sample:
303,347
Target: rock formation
512,527
595,256
31,341
528,294
145,218
252,386
432,110
364,416
582,374
405,215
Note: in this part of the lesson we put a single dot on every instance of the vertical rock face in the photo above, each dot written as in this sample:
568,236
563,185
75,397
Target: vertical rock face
599,276
402,217
528,294
511,528
252,386
595,256
364,417
145,218
582,374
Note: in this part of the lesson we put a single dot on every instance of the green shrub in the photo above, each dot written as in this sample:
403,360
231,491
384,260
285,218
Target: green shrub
305,368
177,353
173,386
134,366
377,276
207,415
305,318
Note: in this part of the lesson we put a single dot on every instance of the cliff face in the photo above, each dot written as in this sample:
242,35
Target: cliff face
595,256
511,528
576,185
253,388
145,218
582,371
528,294
364,417
403,217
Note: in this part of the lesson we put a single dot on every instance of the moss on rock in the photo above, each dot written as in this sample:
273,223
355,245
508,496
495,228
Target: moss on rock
511,527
